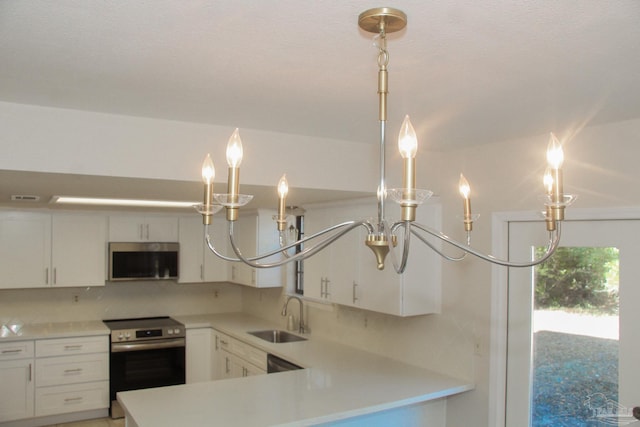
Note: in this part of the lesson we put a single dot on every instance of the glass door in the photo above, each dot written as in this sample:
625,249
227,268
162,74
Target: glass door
572,327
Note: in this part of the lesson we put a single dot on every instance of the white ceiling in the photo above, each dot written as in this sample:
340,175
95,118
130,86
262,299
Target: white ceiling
467,71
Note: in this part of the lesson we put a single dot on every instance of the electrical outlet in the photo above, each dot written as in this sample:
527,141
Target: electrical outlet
215,293
75,299
477,347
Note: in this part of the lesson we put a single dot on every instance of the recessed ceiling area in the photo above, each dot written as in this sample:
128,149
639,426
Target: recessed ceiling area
47,185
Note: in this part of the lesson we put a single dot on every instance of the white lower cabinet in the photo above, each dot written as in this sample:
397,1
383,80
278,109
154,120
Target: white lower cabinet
234,358
16,380
199,357
72,375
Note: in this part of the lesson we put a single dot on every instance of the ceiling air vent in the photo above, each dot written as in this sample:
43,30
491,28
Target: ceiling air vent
24,198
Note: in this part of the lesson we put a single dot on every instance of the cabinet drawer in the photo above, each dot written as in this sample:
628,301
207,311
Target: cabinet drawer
72,369
222,341
249,353
16,350
66,346
72,398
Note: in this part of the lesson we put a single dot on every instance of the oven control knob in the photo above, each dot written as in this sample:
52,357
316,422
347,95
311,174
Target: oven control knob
127,335
169,331
120,337
176,331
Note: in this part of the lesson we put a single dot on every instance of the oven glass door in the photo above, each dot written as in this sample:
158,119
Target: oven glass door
158,367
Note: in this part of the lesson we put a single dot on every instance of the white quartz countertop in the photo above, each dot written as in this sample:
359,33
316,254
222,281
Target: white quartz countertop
15,331
339,382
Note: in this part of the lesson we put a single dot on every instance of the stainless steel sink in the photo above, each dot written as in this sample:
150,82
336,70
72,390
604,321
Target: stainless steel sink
276,336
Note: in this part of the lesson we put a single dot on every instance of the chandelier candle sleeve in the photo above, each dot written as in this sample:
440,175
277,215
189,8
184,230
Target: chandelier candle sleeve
234,158
555,158
465,191
208,174
408,146
547,181
283,190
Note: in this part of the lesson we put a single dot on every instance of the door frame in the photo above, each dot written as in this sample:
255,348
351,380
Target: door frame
499,295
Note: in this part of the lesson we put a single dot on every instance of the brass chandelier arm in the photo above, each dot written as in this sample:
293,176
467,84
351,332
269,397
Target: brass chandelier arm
339,230
552,245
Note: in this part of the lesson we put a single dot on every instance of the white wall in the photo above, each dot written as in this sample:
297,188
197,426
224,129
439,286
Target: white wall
116,301
68,141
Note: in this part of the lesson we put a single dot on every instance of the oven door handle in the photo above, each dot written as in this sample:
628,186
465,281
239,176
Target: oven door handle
147,345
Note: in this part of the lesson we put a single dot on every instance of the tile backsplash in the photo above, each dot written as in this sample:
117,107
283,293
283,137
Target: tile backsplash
117,300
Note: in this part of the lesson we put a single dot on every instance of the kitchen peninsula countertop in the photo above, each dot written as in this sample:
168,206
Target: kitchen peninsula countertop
339,382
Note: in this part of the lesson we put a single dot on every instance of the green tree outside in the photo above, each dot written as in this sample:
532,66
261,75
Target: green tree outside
578,278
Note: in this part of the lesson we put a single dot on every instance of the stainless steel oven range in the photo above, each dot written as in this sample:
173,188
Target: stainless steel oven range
145,353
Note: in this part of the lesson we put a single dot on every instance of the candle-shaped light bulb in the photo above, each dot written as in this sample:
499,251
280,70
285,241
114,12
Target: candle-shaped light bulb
208,171
555,155
463,187
407,141
234,158
408,146
283,189
465,191
555,158
234,150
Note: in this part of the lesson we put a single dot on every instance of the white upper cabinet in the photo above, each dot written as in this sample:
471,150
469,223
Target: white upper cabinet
143,228
60,249
79,249
197,263
346,272
256,233
25,250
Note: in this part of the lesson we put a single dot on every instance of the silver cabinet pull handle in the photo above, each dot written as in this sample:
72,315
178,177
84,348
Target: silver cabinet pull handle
73,371
72,399
30,372
73,347
14,351
355,298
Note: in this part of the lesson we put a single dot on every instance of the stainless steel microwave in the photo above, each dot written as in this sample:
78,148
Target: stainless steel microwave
143,261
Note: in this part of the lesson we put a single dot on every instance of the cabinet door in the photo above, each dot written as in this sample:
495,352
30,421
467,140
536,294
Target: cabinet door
137,228
25,250
16,389
250,370
161,229
191,250
345,258
216,269
257,234
231,365
197,262
317,285
220,348
198,355
245,230
79,250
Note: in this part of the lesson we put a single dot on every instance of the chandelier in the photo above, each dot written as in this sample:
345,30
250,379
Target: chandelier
382,235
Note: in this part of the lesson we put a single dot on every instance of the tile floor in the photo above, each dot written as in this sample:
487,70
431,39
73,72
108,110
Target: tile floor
99,422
